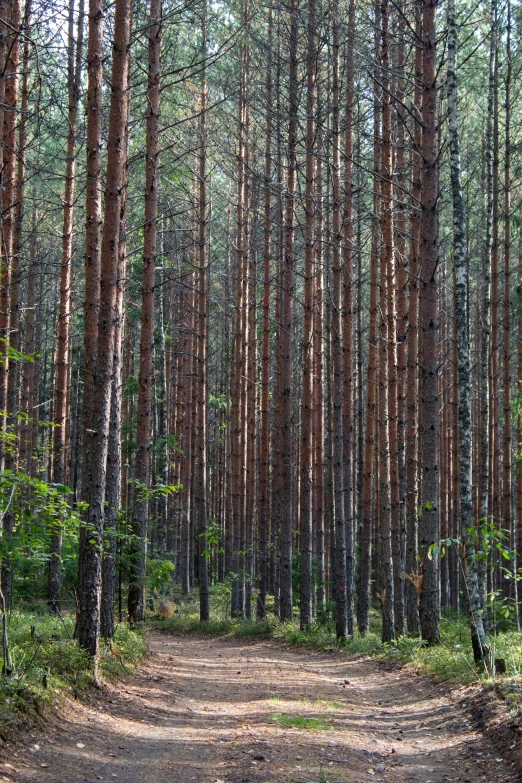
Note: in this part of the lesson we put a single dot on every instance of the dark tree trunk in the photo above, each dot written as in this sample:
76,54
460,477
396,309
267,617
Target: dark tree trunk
428,316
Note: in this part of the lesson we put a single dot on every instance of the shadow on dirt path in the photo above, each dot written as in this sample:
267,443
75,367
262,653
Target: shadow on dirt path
223,711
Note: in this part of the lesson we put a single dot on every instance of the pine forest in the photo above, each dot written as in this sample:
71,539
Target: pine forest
260,318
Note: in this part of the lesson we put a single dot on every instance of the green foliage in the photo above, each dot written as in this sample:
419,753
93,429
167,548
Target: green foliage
131,386
212,537
221,595
159,575
144,493
38,509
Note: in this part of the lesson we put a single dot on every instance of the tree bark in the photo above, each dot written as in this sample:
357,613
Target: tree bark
287,317
64,320
89,586
136,602
478,635
428,316
306,587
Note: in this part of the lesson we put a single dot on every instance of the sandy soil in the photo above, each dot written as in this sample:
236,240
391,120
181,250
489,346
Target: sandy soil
209,710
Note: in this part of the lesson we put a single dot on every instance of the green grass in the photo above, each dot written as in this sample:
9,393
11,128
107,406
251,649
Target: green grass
299,722
46,664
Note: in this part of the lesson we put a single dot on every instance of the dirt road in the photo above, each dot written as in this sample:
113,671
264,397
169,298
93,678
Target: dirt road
223,711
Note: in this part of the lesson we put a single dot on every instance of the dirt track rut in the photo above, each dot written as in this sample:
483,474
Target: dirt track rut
223,711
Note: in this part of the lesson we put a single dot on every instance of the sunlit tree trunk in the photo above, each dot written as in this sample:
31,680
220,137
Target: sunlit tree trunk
64,321
89,585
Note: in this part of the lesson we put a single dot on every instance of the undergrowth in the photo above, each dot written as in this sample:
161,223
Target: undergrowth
46,664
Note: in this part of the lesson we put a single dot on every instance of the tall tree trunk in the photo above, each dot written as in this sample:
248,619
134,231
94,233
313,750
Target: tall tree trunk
388,484
347,313
287,318
336,372
7,301
8,117
114,481
412,505
64,321
136,603
88,564
264,439
89,585
187,444
306,586
507,515
365,547
401,330
238,417
28,375
428,316
318,379
201,479
478,636
485,341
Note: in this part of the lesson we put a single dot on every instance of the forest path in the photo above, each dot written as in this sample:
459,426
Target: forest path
211,710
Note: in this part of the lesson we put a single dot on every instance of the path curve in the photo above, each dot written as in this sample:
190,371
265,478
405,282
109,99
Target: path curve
214,710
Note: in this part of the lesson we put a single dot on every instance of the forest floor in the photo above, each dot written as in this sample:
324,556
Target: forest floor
219,710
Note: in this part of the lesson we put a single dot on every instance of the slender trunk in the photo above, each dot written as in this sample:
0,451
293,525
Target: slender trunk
264,441
412,395
507,516
387,384
365,548
64,320
9,138
8,266
318,380
306,586
287,318
478,636
401,330
347,336
113,481
201,478
336,372
428,317
88,557
136,602
28,377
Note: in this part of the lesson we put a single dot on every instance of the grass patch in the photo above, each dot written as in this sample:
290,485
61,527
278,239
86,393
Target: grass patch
299,722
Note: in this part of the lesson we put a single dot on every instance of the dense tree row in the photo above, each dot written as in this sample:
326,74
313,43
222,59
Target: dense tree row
259,308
